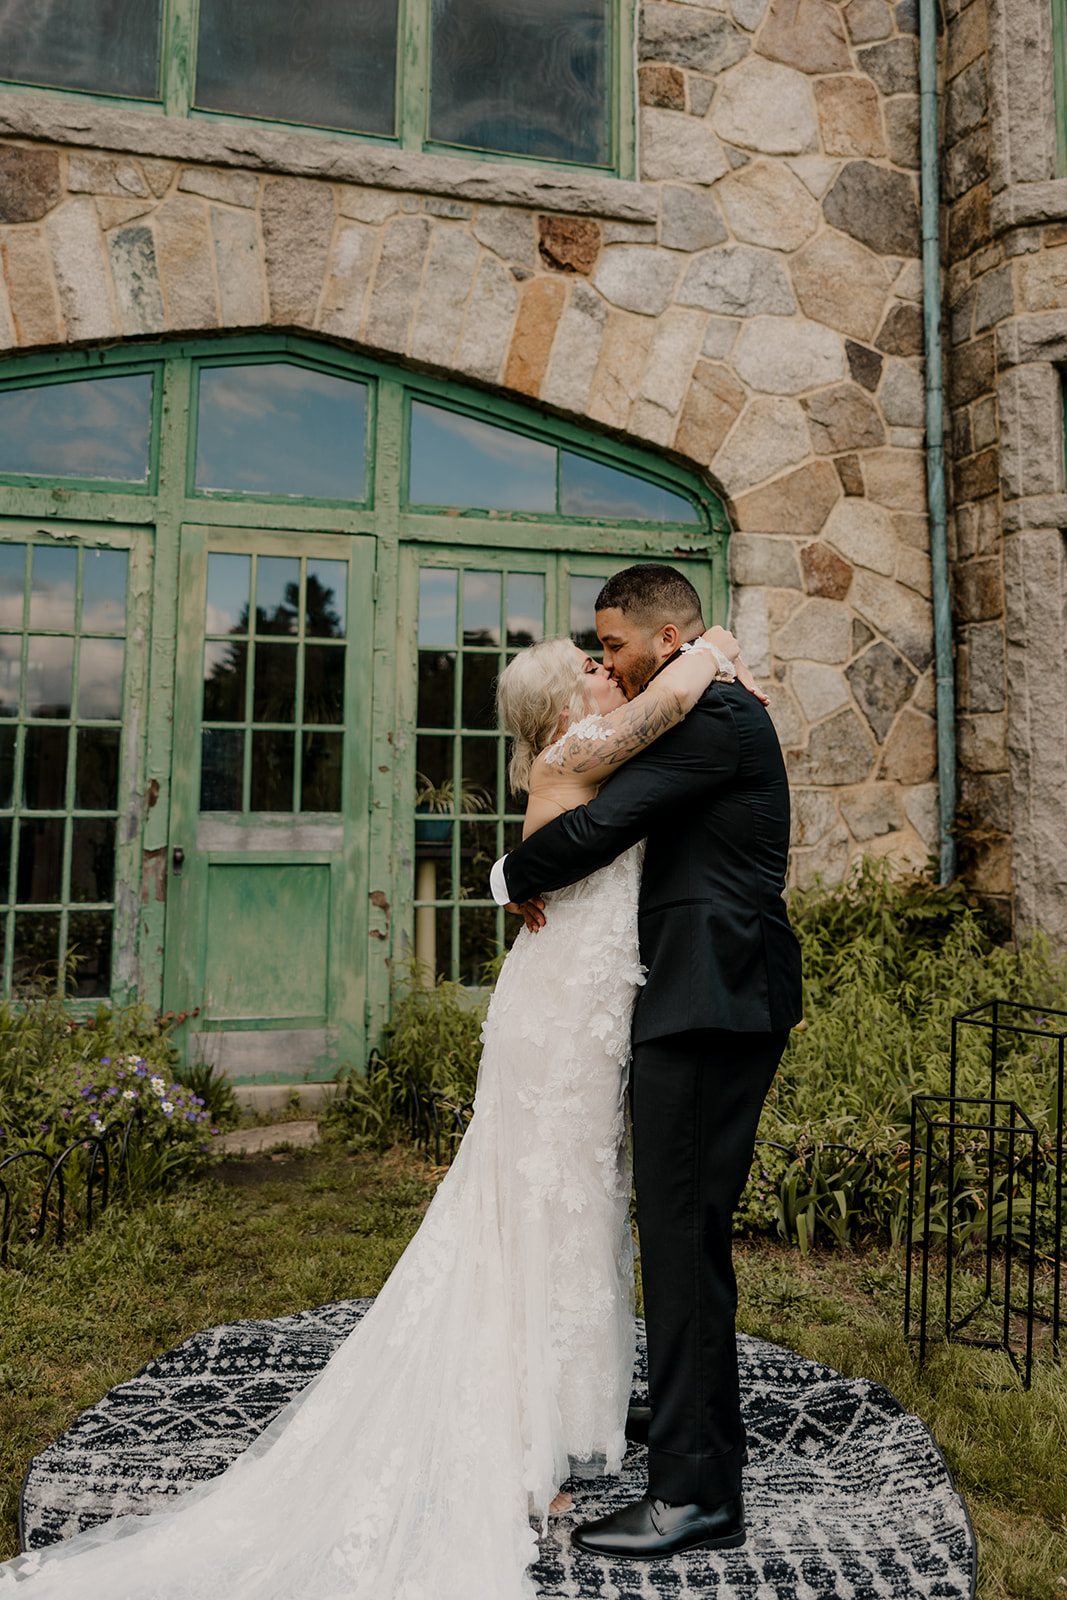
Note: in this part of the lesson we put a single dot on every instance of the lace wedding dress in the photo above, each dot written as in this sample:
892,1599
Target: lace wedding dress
499,1351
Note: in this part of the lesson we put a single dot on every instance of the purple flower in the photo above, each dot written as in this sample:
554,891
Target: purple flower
87,1091
105,1061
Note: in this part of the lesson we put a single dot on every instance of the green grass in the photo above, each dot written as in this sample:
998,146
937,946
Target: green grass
281,1234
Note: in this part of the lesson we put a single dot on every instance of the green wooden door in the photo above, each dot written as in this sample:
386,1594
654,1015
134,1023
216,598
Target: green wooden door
268,840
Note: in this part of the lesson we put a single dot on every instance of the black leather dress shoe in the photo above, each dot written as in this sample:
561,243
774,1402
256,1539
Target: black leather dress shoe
650,1530
639,1417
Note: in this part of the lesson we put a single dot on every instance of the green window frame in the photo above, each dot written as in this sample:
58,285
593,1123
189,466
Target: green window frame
1059,69
573,553
177,88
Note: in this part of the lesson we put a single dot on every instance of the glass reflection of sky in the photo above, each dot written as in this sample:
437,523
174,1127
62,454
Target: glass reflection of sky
591,489
481,607
584,591
100,679
437,608
53,581
458,461
276,428
104,591
327,598
92,428
229,580
526,607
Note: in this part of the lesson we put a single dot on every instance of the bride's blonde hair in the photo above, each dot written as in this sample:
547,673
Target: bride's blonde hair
532,693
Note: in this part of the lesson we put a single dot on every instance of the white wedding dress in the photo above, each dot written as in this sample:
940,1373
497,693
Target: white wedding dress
501,1346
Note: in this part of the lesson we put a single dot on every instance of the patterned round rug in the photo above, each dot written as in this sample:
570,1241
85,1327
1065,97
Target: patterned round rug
847,1496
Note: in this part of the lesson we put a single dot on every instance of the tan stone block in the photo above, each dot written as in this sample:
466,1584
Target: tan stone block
851,474
675,347
770,436
366,205
81,270
904,617
825,572
914,569
238,268
651,422
983,742
840,751
808,34
31,288
569,244
487,327
711,408
989,866
661,85
446,286
104,175
978,591
623,358
910,753
850,116
841,283
185,263
29,183
8,337
576,351
863,533
229,188
813,815
766,204
777,356
397,281
761,106
679,147
135,275
966,40
843,418
114,213
158,175
1042,280
798,503
896,479
297,217
348,279
540,308
826,863
912,530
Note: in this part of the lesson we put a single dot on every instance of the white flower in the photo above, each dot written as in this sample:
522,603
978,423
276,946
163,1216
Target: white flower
129,1094
166,1107
159,1085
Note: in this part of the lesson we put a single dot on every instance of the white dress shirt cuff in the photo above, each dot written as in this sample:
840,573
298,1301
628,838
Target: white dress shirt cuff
497,883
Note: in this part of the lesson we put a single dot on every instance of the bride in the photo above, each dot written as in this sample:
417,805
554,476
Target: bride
496,1361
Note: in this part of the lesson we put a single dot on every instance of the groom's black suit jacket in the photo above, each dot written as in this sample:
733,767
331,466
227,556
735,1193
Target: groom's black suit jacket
711,798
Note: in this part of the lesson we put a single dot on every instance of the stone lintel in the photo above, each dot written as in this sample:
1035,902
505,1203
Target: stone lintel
306,155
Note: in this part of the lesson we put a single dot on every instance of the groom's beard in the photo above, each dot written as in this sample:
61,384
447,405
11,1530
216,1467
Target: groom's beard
636,674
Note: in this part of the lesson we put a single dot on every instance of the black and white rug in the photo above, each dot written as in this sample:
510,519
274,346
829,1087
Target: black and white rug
847,1495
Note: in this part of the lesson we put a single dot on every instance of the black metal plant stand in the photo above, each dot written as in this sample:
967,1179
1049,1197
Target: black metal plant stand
991,1140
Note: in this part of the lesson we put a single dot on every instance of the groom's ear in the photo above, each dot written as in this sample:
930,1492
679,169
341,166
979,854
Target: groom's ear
670,639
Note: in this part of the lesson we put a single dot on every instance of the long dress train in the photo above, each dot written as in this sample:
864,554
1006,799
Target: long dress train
499,1351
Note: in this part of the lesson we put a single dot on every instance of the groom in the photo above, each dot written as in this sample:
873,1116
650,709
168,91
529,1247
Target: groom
709,1028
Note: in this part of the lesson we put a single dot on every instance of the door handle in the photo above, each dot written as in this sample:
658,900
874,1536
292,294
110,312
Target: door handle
177,861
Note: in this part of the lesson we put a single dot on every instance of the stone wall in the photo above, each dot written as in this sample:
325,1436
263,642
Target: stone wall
751,307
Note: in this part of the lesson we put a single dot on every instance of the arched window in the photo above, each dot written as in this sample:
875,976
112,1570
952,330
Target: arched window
254,596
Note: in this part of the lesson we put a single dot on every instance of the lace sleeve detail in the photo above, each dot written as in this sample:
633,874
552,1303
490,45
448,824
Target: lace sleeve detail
725,672
591,727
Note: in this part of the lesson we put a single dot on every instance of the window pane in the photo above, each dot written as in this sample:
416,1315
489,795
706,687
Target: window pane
433,759
526,608
584,592
94,428
5,858
324,683
459,461
10,673
89,941
229,589
96,772
481,608
36,953
591,489
274,689
280,429
40,868
277,594
100,678
221,763
437,678
524,76
327,598
437,608
12,584
321,781
272,772
92,859
104,591
44,769
480,757
8,734
104,46
331,63
54,575
49,676
479,691
225,665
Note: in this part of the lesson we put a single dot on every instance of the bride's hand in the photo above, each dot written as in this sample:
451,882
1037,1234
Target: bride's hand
725,641
532,912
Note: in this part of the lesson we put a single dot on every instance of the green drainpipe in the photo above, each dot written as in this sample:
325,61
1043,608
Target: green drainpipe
935,437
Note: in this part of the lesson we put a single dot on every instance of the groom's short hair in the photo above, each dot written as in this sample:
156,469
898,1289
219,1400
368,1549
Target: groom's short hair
651,595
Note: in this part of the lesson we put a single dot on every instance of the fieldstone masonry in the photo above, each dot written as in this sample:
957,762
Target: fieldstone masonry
752,306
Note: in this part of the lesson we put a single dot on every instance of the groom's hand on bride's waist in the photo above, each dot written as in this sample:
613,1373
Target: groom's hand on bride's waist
532,912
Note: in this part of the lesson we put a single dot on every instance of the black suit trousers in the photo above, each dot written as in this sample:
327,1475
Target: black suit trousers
697,1098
